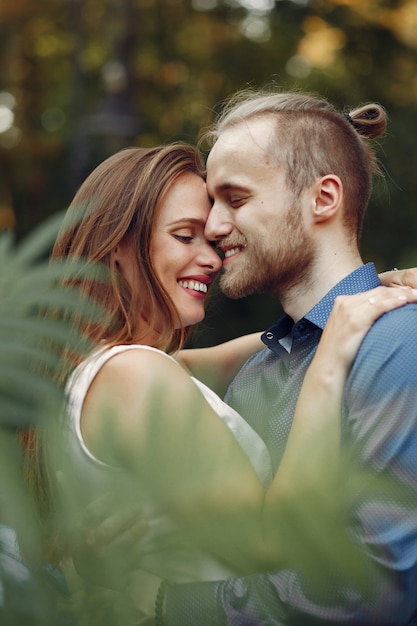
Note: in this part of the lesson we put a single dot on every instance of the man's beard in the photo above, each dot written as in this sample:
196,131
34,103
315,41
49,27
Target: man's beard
273,265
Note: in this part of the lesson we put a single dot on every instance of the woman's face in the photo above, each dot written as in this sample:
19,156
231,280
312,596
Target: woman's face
184,261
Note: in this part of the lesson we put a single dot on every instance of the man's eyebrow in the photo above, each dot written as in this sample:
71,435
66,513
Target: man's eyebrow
228,185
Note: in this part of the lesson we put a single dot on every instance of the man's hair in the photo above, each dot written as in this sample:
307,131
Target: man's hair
313,139
119,202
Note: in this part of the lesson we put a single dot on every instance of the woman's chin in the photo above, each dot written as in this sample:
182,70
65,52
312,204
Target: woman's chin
192,321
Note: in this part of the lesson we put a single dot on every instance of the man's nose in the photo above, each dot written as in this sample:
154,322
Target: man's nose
218,223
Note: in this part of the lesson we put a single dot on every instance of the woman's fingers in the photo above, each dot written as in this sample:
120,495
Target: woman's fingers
404,278
363,309
112,529
353,315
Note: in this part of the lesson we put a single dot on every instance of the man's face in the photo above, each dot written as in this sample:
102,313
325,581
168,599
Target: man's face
255,218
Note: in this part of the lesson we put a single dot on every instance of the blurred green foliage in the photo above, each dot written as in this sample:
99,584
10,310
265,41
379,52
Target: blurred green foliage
98,523
32,338
81,79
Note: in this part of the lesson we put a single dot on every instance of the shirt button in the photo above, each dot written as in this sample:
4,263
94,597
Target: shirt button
269,335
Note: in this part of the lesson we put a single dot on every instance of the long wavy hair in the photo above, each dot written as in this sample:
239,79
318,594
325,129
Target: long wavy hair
119,202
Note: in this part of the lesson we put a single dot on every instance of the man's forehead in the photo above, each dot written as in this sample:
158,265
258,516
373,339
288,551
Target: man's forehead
235,167
225,172
254,133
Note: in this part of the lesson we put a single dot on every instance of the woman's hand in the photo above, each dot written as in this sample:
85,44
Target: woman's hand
107,543
312,451
400,278
352,317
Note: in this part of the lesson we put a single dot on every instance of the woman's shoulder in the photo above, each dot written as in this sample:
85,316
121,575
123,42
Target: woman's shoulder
117,366
103,355
136,356
117,355
125,389
126,367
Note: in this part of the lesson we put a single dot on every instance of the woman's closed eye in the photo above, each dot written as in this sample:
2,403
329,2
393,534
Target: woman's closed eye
184,238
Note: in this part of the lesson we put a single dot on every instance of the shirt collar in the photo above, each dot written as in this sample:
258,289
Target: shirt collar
362,279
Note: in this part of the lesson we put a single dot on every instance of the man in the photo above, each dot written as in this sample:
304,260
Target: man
290,179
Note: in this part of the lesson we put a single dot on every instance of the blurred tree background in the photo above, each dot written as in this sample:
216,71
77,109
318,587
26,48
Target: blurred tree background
81,79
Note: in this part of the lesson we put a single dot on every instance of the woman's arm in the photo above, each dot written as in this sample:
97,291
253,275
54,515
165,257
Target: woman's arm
143,412
161,426
312,451
308,473
216,366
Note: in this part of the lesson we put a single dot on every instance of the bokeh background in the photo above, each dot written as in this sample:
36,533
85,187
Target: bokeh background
80,79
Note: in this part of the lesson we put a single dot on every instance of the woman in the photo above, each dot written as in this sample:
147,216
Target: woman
142,214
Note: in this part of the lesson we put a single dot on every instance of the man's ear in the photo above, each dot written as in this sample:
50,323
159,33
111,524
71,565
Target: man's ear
328,192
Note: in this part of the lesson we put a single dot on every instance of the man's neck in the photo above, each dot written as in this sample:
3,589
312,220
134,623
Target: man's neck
324,275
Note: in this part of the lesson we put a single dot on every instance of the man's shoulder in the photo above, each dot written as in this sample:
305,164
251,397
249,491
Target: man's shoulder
257,360
251,371
398,325
390,346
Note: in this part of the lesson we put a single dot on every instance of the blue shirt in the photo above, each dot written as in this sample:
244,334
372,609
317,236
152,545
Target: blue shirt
31,595
379,423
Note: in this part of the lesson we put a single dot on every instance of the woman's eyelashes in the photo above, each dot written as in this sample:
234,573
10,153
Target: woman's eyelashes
184,238
189,238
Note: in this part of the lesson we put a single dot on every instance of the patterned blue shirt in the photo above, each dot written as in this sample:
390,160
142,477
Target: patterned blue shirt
379,422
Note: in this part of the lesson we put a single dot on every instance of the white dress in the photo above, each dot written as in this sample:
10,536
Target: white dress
187,565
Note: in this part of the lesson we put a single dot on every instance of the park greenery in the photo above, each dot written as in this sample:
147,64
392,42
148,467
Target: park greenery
81,79
39,546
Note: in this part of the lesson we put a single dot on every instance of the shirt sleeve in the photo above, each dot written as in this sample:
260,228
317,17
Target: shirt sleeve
249,600
380,425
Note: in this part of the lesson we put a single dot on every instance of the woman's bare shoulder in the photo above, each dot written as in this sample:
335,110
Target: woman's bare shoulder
129,373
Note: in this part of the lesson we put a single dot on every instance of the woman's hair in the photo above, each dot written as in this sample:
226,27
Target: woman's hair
313,139
118,202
